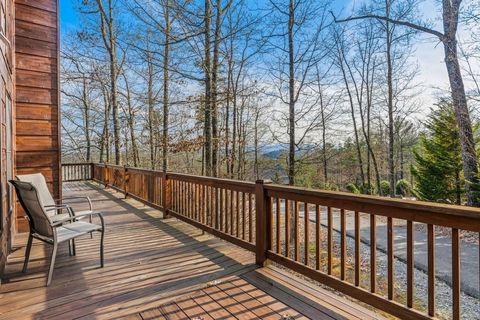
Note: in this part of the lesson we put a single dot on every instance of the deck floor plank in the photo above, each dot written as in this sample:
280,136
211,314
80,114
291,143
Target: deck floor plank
154,269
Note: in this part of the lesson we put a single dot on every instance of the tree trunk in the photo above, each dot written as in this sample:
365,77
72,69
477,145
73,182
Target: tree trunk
216,47
391,137
166,62
151,111
324,146
227,113
208,86
469,156
86,107
130,123
291,89
352,112
104,141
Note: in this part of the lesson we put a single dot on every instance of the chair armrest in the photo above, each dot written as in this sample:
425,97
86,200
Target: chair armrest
78,198
58,207
73,218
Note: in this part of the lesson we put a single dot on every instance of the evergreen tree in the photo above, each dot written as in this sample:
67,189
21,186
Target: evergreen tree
438,170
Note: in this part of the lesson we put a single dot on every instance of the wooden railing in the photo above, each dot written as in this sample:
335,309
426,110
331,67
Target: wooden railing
306,230
77,171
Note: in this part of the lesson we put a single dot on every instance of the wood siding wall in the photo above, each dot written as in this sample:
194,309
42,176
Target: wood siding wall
6,121
37,92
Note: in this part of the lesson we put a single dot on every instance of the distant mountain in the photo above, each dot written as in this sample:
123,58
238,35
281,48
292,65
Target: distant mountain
273,151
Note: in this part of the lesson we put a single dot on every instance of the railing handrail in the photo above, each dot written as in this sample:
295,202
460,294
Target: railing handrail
452,216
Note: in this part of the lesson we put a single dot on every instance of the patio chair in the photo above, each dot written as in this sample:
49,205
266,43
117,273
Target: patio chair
57,206
43,228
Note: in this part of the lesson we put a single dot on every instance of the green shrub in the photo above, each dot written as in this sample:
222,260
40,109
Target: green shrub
385,187
351,187
403,188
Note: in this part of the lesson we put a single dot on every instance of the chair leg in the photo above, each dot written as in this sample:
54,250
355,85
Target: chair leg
52,263
27,253
90,220
74,249
101,248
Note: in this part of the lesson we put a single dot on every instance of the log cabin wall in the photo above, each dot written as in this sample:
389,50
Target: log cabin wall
6,127
37,93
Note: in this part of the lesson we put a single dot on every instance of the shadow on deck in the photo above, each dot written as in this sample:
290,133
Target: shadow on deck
158,268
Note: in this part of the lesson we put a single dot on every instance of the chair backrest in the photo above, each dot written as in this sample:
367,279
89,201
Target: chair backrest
31,202
39,182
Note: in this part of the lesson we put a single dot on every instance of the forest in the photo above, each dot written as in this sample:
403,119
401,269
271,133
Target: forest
320,94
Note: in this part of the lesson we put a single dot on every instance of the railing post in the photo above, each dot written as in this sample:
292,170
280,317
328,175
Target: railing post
262,222
125,180
92,171
166,194
105,176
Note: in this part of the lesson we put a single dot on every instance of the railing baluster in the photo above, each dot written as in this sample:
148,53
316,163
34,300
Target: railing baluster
296,237
193,200
202,196
213,211
221,206
217,209
189,202
431,269
343,245
270,219
184,198
391,266
174,193
330,240
373,253
208,198
278,224
232,212
180,200
317,236
237,211
198,212
244,222
306,231
357,248
410,263
287,228
250,218
456,273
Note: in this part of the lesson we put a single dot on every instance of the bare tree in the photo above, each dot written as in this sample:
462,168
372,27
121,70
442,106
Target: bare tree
296,40
450,18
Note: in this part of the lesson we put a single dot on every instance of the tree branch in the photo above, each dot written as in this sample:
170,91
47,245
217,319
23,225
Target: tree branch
436,33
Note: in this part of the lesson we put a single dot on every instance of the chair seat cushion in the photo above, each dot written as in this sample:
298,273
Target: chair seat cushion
75,229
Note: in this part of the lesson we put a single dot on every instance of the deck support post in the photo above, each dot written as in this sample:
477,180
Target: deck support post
125,180
262,222
105,176
166,194
92,171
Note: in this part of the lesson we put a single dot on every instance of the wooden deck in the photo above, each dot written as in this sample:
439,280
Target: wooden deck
158,268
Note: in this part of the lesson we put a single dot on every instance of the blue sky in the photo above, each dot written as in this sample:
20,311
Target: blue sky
68,15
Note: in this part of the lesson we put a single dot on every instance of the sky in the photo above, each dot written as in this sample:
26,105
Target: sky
428,53
68,15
